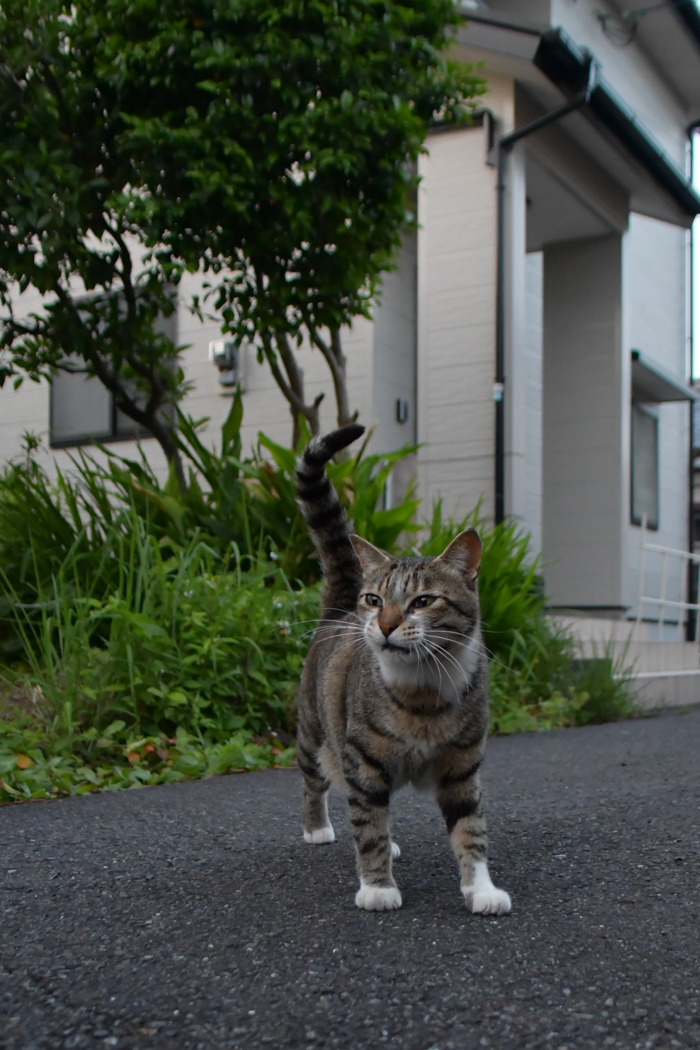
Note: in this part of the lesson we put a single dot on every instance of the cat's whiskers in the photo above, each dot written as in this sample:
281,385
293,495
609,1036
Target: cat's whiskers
440,668
348,638
340,627
437,664
451,657
490,653
466,645
455,662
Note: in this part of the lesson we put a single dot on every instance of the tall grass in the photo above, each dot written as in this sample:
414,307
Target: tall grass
148,633
176,640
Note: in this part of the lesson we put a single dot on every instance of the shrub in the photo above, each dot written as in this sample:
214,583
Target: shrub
235,504
149,634
181,669
177,642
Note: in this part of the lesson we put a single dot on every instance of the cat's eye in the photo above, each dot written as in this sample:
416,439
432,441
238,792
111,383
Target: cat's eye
373,599
424,600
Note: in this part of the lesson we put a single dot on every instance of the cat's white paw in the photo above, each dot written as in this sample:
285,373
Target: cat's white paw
377,898
320,835
482,896
488,902
395,851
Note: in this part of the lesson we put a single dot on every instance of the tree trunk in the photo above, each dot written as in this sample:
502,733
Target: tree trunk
337,362
148,418
291,383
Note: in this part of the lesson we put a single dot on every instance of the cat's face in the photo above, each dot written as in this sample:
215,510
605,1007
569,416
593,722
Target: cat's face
420,613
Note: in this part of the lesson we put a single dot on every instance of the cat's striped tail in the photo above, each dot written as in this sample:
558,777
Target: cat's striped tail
342,574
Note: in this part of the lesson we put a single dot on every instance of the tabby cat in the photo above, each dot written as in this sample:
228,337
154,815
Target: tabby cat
394,690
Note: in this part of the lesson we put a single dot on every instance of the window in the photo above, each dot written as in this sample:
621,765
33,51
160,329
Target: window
83,410
645,467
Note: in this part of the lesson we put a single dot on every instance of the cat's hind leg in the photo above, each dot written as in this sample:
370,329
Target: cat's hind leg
317,826
459,797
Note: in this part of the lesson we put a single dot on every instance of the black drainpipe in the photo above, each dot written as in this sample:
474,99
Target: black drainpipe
692,584
504,145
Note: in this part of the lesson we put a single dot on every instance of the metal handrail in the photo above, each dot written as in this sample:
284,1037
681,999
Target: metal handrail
663,602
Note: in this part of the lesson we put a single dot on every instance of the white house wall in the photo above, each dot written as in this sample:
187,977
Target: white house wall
654,267
394,352
456,312
627,70
584,490
265,409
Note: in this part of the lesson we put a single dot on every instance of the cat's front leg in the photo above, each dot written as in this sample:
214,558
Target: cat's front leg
368,789
459,797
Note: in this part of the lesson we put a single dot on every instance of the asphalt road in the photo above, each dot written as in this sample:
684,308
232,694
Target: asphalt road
193,915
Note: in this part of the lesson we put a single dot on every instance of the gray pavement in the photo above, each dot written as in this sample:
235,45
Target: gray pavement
193,915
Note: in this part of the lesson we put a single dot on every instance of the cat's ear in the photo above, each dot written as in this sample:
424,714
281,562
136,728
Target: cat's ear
371,557
465,554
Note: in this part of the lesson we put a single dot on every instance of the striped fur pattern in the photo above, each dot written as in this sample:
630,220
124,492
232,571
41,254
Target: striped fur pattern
394,691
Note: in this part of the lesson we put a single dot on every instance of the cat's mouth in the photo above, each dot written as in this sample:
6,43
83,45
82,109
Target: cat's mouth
392,647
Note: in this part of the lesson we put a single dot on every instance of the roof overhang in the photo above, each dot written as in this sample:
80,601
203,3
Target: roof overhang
553,69
653,385
670,34
568,68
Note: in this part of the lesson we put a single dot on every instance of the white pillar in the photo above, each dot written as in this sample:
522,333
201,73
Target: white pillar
585,494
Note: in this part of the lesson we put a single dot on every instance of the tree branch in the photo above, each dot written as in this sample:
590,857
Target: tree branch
333,353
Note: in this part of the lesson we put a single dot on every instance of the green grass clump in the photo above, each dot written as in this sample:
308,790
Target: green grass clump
177,667
176,641
149,634
45,762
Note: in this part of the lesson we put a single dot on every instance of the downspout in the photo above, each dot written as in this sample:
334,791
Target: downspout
504,145
691,632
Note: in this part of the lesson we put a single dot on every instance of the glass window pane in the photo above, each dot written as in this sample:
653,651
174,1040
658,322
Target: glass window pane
81,408
645,467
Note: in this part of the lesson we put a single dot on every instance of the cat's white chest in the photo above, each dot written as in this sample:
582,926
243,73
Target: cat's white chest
447,676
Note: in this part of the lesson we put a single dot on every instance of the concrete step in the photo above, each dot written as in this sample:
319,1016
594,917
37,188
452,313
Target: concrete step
663,673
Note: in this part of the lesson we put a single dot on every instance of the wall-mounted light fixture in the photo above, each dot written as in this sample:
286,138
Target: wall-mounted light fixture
227,357
401,410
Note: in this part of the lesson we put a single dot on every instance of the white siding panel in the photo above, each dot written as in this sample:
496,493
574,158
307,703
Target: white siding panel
628,70
456,302
393,369
584,500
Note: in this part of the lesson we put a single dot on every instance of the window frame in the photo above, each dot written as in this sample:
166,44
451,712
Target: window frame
133,433
648,412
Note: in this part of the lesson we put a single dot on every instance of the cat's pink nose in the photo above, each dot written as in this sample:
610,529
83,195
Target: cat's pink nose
387,628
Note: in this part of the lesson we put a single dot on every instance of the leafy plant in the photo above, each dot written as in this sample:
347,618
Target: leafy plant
69,199
176,643
360,482
142,644
276,145
36,763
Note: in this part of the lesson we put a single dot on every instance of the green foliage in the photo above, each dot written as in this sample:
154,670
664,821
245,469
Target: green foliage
270,143
39,764
360,482
275,141
175,670
235,504
140,643
176,642
67,196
